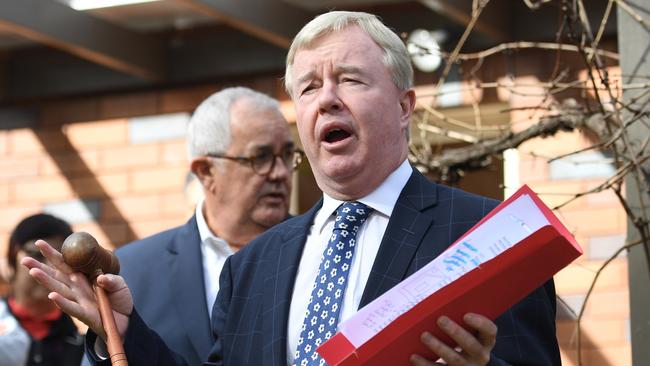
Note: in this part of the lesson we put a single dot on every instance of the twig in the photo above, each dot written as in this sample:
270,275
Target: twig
526,45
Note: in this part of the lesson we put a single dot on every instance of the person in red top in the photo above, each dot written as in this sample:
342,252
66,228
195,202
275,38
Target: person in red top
55,340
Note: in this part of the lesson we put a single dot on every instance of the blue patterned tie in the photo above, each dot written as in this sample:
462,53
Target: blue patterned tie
326,297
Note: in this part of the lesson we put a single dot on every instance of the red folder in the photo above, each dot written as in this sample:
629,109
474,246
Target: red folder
489,290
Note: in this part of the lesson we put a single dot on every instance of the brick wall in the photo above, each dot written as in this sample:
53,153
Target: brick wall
599,225
114,166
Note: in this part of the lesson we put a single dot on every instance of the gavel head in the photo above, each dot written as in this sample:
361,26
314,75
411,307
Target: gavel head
82,253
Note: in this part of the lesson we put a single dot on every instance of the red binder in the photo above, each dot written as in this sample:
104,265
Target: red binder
489,290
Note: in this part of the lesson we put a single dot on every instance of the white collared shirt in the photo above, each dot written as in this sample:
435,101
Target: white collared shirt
214,252
382,200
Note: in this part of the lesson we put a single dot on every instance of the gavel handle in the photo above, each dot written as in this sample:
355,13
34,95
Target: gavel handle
113,339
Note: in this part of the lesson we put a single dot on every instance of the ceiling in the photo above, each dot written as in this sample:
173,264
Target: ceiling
50,50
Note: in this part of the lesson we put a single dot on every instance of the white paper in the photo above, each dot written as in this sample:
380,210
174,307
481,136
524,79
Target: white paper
508,227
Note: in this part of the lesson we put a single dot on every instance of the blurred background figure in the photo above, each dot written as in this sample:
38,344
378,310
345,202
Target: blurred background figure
33,331
14,341
242,156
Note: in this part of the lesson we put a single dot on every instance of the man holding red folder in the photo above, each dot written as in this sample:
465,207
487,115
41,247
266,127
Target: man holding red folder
379,221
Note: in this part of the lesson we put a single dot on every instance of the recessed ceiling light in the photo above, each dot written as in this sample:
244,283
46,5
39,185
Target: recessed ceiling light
96,4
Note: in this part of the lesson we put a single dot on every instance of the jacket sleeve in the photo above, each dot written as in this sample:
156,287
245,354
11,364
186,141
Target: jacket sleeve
143,347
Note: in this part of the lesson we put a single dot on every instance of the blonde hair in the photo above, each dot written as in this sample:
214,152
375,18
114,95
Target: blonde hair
396,57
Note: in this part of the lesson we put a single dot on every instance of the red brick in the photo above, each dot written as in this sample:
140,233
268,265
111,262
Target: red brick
79,162
4,144
614,78
4,194
57,188
607,355
10,216
24,142
130,156
71,110
134,207
532,170
597,333
604,198
595,221
18,167
602,356
4,242
577,278
128,105
43,189
95,134
175,153
156,180
150,227
176,205
100,185
552,146
609,304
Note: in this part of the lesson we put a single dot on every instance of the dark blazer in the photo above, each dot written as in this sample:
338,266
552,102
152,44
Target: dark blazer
165,275
250,315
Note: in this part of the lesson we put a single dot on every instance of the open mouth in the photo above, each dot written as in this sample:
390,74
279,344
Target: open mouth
336,135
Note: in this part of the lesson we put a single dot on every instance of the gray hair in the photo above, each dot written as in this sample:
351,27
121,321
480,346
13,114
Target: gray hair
209,129
396,57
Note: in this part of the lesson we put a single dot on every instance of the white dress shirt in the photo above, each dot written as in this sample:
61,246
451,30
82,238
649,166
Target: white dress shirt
382,200
214,252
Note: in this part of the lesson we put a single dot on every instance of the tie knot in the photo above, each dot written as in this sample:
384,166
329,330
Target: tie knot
351,215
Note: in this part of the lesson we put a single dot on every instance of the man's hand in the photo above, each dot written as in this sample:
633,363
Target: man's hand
73,294
472,349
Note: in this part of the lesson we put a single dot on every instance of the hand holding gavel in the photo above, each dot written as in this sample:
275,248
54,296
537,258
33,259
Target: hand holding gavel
83,254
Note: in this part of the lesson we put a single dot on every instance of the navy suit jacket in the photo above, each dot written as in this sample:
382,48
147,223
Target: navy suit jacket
250,315
165,275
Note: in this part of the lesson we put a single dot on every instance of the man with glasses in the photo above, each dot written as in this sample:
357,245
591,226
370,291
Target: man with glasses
242,153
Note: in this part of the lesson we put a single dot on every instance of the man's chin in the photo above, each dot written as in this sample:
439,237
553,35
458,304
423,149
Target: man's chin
341,168
271,216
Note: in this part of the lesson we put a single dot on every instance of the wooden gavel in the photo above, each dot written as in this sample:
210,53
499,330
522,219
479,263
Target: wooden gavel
83,254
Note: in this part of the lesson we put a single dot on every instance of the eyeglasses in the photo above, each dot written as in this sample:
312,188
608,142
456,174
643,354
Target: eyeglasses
264,162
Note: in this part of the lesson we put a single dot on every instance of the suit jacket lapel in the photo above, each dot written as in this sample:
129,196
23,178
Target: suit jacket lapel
188,286
402,238
283,262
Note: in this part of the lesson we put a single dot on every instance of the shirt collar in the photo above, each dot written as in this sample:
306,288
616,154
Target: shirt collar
381,200
206,235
